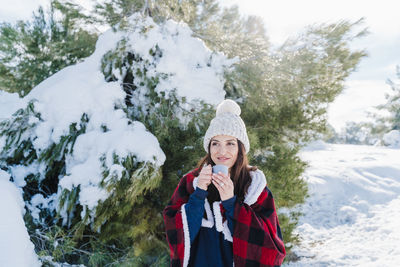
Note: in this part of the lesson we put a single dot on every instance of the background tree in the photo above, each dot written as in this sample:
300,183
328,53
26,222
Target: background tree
31,51
393,105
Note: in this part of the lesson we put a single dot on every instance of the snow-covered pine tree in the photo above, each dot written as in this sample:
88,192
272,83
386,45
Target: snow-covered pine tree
84,149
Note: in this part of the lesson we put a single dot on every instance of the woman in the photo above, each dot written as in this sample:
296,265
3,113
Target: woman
217,219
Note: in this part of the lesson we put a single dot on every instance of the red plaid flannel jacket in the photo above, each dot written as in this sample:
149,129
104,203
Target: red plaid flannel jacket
257,239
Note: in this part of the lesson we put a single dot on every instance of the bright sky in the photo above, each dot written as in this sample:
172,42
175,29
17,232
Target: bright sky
284,18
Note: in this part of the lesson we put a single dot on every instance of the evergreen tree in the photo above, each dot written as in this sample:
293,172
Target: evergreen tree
31,51
393,105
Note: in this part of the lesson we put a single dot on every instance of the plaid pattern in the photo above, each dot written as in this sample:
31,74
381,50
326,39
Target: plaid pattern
257,239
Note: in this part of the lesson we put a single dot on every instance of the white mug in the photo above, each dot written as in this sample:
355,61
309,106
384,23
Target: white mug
220,168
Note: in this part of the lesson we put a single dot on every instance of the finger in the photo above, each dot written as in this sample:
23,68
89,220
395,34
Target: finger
205,178
208,168
206,171
220,183
224,176
216,178
225,180
219,188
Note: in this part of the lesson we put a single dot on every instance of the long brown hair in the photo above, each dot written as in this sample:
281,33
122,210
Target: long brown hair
240,174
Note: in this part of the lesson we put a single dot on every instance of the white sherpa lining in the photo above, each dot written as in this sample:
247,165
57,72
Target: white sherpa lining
218,216
258,183
218,222
186,254
209,222
195,181
227,233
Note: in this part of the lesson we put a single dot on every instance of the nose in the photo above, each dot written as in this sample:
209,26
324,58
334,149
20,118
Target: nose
222,150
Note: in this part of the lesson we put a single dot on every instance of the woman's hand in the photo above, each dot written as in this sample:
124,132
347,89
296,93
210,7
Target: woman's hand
224,185
204,179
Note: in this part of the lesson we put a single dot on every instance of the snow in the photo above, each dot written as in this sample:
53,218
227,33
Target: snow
197,73
352,215
39,203
9,103
19,172
16,249
392,139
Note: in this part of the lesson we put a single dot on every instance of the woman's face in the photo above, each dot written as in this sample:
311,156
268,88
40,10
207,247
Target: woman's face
224,150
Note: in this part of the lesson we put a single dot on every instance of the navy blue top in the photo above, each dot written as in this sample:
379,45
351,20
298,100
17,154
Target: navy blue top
208,246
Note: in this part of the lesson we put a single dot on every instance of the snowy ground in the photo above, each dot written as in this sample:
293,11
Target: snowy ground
353,212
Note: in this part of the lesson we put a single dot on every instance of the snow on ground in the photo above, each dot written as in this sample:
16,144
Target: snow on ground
16,249
352,217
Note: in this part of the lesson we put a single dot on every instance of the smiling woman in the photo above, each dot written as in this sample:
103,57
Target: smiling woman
217,219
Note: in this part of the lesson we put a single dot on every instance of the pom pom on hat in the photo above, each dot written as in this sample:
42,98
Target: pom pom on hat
227,122
228,106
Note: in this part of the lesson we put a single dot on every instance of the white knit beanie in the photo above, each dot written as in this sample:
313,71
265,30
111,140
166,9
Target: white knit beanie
227,122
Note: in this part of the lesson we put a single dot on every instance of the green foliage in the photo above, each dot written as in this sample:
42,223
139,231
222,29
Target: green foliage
31,51
120,215
116,12
283,167
18,145
55,243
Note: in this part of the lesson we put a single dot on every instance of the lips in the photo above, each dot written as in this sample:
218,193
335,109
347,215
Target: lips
223,159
